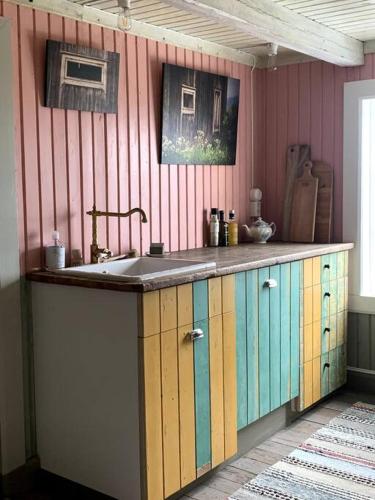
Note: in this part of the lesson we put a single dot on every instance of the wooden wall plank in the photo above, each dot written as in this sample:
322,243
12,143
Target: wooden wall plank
170,412
185,304
214,297
202,399
67,160
295,268
252,346
264,343
186,405
168,308
275,340
241,347
285,326
216,389
230,382
150,313
314,115
364,353
151,374
353,339
316,389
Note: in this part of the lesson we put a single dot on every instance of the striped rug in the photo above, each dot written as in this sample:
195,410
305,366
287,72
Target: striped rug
336,462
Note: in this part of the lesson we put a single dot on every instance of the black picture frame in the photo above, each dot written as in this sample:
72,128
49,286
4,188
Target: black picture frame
199,117
81,78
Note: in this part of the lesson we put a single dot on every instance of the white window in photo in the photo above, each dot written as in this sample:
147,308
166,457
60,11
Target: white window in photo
188,95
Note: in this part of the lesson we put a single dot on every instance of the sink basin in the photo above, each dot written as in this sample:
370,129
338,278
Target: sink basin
139,269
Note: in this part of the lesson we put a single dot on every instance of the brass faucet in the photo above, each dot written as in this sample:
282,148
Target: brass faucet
104,254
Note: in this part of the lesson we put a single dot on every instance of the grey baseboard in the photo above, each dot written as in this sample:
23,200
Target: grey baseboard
361,380
21,480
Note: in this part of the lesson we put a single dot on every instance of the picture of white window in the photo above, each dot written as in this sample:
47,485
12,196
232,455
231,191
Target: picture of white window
187,100
83,71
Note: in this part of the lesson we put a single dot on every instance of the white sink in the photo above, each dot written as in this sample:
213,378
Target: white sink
138,269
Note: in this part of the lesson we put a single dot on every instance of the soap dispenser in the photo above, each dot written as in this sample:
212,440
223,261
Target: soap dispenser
55,254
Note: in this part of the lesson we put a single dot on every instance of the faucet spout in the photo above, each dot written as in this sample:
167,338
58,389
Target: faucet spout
101,253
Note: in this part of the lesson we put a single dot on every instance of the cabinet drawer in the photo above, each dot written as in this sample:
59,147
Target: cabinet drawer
329,298
325,266
311,382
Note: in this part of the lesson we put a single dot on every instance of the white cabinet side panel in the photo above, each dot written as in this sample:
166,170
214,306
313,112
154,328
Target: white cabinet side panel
86,379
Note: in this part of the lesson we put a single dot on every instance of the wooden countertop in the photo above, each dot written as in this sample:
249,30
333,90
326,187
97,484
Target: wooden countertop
243,257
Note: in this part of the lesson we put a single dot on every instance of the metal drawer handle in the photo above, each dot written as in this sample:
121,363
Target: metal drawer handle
327,294
326,266
270,283
196,334
326,365
327,330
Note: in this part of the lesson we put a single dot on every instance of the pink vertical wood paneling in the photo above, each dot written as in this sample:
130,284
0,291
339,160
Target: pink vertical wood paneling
68,160
86,158
306,106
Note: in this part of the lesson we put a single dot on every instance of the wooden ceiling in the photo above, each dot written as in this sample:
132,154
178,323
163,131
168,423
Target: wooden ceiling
331,30
353,18
165,16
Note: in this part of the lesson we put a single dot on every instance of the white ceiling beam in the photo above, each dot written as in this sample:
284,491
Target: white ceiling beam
269,21
109,20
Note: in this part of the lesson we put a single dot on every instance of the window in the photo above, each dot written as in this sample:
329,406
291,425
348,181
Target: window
359,191
187,100
83,71
217,111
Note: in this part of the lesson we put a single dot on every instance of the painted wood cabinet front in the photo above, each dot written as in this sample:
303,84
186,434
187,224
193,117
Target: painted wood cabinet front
323,336
188,387
268,338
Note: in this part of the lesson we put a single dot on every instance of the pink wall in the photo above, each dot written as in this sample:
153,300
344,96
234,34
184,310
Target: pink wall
69,159
301,103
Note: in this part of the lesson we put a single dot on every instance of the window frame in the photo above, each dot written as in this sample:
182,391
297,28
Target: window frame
217,109
354,94
185,89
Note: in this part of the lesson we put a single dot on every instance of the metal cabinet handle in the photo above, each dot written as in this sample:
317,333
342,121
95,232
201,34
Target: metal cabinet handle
327,330
326,266
327,294
270,283
196,334
326,365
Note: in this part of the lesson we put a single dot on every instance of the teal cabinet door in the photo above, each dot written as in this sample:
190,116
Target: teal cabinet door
268,339
202,378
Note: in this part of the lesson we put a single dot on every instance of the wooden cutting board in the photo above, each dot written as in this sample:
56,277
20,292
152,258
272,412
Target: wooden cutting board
296,156
323,220
302,218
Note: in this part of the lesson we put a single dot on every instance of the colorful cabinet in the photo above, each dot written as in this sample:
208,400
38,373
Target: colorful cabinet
324,292
188,383
218,354
267,330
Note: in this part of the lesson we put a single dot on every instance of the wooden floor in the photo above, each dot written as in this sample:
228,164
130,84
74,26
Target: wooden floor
228,479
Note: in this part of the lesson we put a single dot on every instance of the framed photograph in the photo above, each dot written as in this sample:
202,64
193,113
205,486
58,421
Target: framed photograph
81,78
200,116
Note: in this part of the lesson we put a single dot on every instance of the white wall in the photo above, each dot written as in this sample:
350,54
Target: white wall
12,434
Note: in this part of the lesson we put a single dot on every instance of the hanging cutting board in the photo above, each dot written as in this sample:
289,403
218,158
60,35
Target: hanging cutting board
296,156
302,218
323,220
